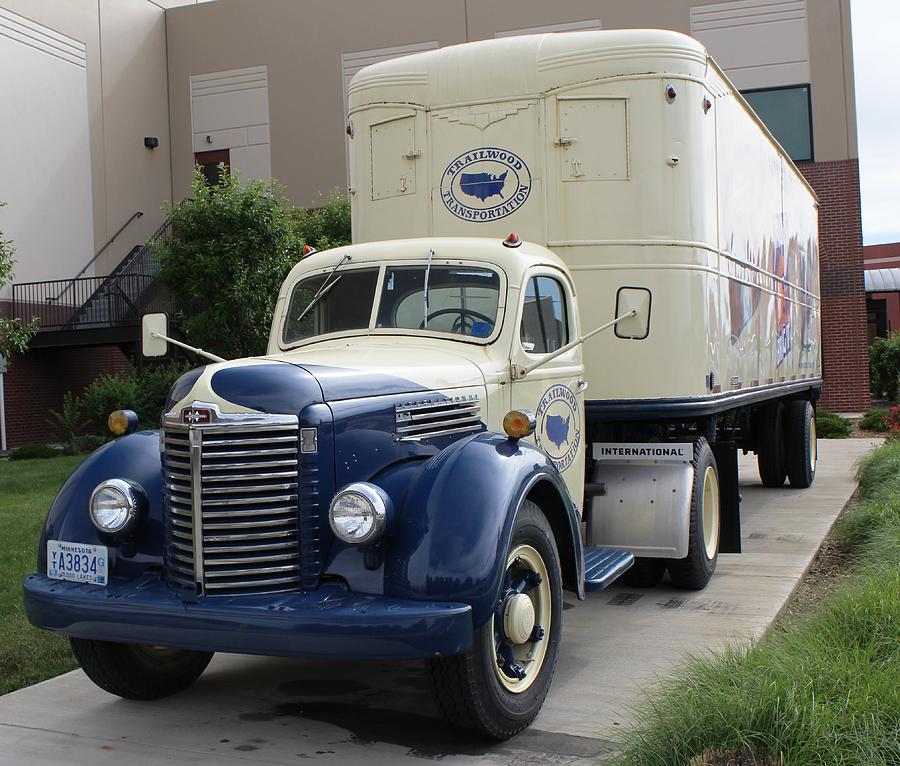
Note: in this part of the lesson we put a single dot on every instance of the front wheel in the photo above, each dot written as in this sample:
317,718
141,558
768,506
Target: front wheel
497,688
693,571
138,671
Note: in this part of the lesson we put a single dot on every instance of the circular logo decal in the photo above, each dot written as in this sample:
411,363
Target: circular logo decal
485,184
558,430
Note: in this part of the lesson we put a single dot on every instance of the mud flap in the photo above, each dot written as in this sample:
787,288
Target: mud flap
729,499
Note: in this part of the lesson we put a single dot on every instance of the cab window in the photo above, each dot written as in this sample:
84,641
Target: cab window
545,326
462,300
330,303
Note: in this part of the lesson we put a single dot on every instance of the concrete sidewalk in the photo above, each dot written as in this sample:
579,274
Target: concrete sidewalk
275,711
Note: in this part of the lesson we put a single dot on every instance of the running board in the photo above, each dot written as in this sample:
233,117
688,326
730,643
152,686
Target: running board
603,565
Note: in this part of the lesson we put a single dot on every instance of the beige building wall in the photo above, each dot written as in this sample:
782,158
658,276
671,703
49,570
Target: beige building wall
127,99
301,44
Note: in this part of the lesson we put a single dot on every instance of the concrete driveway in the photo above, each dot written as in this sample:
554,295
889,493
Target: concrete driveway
276,711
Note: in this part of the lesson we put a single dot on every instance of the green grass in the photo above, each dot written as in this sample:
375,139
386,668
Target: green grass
27,487
821,689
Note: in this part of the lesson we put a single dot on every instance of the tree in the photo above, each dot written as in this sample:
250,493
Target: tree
231,248
326,225
14,334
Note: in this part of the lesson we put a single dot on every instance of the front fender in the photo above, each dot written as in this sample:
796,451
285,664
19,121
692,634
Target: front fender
454,527
135,457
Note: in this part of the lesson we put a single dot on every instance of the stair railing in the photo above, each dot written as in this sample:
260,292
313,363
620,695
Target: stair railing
135,215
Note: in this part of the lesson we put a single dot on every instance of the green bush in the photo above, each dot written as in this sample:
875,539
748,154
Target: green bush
325,226
144,392
875,420
831,426
231,248
30,451
884,366
68,421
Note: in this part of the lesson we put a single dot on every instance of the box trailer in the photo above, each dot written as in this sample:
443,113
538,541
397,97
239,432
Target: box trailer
630,155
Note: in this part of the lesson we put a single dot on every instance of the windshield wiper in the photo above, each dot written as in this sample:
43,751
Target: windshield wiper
326,286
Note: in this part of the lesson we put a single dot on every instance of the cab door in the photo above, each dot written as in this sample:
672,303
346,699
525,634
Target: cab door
554,392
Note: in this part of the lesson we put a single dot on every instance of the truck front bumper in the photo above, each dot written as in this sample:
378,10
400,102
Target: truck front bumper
329,623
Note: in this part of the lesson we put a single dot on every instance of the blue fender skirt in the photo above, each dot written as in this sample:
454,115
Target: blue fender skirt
328,623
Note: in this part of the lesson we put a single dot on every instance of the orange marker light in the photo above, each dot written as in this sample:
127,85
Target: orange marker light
307,250
122,422
512,240
518,424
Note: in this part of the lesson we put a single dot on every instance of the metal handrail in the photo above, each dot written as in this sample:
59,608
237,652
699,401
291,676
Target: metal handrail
136,214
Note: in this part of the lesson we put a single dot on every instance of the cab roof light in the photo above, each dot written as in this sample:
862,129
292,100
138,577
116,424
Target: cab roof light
308,250
512,240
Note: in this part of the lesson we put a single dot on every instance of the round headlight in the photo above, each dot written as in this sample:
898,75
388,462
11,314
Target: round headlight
116,505
358,513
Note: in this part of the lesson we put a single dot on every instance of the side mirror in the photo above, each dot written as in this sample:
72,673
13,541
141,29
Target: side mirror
154,329
636,299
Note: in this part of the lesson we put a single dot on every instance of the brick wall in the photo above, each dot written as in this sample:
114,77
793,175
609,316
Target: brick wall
36,383
844,333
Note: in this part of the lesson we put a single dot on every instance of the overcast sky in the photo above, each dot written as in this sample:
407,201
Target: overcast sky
876,63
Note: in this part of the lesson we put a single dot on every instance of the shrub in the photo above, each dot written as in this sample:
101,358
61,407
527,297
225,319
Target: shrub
884,365
32,451
69,420
231,248
108,393
875,420
143,392
325,226
831,426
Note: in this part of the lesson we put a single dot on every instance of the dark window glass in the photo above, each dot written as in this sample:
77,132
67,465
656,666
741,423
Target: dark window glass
544,324
344,304
462,300
786,112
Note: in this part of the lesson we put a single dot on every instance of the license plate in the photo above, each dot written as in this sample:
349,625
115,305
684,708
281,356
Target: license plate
77,562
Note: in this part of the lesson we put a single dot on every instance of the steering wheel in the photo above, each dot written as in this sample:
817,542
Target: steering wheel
459,324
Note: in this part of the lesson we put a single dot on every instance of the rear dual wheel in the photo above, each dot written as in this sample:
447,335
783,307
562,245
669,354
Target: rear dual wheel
786,443
498,686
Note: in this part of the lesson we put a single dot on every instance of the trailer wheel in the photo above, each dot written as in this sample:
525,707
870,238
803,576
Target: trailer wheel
645,573
693,571
137,671
497,688
801,443
770,449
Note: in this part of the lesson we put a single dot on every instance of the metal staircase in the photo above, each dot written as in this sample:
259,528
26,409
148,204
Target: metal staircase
94,311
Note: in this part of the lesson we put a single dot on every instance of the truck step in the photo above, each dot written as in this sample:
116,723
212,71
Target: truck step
603,565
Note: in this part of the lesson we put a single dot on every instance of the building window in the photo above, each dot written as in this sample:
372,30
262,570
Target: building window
787,113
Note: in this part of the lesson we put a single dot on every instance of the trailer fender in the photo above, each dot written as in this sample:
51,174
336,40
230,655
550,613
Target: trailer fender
455,523
135,457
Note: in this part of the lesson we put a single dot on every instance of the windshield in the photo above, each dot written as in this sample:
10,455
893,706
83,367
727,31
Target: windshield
345,304
460,299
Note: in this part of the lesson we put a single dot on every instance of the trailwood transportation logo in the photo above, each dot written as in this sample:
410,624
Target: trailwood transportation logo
485,184
558,430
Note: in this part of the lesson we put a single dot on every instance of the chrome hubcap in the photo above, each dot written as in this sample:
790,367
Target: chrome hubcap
813,445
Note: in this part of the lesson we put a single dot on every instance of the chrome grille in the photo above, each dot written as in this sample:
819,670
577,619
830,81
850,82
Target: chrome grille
232,526
434,417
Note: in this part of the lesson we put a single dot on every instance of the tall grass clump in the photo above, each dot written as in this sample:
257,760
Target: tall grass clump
824,689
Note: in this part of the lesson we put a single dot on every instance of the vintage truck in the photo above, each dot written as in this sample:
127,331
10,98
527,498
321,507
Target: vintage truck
414,469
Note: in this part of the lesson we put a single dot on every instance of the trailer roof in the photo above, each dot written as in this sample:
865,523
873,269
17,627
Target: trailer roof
525,65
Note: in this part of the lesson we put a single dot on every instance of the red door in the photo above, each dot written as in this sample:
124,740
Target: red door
209,163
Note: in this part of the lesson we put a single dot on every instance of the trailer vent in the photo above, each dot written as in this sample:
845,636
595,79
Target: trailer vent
438,417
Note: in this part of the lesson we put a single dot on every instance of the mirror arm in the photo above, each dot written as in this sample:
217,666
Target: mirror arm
520,372
198,351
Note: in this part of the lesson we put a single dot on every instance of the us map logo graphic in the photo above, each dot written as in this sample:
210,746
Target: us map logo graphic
558,430
485,184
